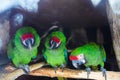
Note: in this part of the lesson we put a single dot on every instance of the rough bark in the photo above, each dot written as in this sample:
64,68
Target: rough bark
114,21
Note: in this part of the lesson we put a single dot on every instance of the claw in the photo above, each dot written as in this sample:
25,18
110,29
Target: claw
88,72
62,66
104,72
55,68
25,68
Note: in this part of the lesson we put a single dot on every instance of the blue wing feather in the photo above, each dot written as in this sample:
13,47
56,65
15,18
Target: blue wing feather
65,54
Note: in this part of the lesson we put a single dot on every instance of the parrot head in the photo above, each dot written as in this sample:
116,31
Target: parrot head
77,60
28,40
54,42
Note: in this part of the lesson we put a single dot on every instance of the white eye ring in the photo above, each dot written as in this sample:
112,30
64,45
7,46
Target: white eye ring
24,42
58,44
51,41
32,40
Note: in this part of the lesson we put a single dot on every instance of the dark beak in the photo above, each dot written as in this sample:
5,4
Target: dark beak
29,46
29,43
53,45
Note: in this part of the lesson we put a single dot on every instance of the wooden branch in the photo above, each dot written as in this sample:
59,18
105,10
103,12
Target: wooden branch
36,70
13,73
68,73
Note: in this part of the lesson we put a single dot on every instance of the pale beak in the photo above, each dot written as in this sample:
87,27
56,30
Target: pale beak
29,46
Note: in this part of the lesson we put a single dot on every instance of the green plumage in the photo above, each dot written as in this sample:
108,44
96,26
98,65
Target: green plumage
58,56
17,52
91,55
94,54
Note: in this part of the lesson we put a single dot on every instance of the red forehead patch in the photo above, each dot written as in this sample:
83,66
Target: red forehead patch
56,39
25,36
73,57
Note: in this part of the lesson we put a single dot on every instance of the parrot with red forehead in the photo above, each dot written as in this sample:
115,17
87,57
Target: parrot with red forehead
55,51
23,47
89,55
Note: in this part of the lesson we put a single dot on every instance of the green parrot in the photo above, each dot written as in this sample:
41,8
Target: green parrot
55,51
23,47
90,54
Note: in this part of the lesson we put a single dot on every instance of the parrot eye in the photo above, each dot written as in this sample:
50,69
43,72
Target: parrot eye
81,56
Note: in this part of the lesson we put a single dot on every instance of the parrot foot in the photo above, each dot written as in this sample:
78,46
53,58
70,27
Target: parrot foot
55,68
62,66
88,72
25,68
104,72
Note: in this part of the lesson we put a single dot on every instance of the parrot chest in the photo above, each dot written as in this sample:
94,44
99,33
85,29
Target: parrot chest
23,57
55,58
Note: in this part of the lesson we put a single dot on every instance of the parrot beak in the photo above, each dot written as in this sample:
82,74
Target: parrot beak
29,46
28,43
77,63
53,45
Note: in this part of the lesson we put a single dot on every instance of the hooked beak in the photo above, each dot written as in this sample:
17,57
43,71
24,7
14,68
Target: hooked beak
53,45
77,63
29,46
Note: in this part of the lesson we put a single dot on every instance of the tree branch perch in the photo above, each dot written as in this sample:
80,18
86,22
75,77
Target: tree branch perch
12,74
36,70
69,73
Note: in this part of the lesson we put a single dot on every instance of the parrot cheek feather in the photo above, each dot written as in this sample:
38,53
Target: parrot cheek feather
75,65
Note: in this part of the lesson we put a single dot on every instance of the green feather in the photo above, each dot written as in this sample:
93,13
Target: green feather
57,56
94,54
17,52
